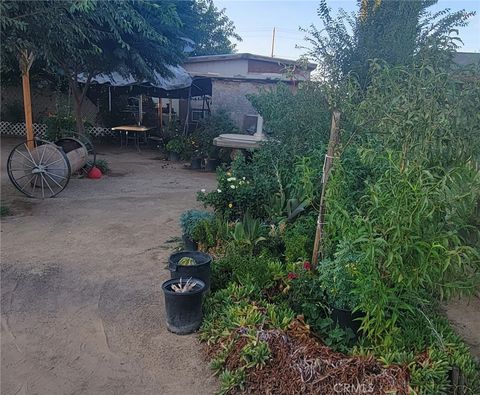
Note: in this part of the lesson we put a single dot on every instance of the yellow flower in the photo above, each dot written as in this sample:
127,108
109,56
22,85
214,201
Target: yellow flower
230,205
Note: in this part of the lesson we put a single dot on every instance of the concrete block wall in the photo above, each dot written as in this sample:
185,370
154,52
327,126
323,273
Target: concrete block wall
231,96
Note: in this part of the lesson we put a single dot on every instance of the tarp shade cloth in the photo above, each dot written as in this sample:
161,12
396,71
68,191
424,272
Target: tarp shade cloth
179,80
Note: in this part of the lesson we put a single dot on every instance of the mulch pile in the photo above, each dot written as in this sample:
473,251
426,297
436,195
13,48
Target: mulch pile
300,364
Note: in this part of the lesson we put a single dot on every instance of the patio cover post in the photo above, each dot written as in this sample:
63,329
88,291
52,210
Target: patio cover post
140,109
26,60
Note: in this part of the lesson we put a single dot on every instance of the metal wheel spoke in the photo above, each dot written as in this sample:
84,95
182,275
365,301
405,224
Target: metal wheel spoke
43,190
52,180
58,160
23,163
26,175
48,185
28,182
30,154
55,175
26,157
34,183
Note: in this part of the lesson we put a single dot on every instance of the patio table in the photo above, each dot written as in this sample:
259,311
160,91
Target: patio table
135,129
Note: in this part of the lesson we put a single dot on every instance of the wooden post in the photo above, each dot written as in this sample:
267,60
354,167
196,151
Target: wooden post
170,111
140,110
26,60
160,112
328,163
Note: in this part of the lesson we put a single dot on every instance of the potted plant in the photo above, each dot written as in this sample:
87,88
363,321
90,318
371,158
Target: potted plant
183,304
195,264
337,280
174,148
188,221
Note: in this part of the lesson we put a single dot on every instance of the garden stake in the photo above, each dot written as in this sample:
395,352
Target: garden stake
327,166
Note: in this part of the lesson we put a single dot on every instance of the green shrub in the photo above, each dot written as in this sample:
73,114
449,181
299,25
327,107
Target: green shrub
103,165
59,125
299,237
176,145
209,128
191,218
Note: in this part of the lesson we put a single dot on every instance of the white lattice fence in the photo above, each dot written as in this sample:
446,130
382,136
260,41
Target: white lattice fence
18,129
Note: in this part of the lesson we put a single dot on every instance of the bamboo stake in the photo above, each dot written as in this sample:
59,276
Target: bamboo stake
328,163
26,60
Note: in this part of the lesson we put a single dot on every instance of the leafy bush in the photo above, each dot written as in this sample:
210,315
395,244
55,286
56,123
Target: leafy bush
236,193
191,218
103,165
176,145
299,237
209,128
59,124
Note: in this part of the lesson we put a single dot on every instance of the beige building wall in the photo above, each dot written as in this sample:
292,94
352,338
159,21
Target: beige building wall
231,96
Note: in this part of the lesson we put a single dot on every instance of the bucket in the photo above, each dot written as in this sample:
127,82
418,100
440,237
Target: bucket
201,270
183,310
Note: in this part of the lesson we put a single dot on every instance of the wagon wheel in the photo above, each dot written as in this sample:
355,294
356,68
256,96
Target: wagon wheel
39,172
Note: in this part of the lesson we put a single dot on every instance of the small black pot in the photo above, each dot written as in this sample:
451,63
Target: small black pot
183,310
346,319
189,244
173,156
201,270
211,164
196,163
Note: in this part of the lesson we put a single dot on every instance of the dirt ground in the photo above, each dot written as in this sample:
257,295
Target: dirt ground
82,307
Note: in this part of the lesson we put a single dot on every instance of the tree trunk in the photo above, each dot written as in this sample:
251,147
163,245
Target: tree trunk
77,107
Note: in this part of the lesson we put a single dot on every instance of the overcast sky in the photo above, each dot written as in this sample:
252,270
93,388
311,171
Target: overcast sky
255,20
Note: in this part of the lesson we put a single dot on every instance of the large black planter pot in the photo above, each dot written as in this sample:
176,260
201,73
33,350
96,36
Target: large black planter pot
346,319
201,270
173,156
211,164
188,243
183,310
196,163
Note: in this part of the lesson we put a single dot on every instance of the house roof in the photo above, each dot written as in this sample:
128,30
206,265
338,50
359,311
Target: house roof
466,58
236,56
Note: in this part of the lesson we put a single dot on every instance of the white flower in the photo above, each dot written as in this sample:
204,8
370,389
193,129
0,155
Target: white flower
232,186
231,179
219,190
203,190
244,178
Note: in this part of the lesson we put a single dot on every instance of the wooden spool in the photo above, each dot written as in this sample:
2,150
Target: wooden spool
76,151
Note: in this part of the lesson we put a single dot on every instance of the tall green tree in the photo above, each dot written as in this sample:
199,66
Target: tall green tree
213,32
90,37
395,31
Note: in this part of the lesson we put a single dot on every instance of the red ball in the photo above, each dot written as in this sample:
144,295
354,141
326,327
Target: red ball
94,173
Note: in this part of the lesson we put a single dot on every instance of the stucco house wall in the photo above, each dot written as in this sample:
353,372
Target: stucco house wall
231,96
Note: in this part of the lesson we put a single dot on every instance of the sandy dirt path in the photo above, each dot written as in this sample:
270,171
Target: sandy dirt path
82,308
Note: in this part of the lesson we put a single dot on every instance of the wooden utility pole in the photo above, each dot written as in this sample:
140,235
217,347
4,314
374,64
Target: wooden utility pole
327,166
273,42
26,61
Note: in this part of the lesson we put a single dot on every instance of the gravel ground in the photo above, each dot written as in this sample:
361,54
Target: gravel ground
82,308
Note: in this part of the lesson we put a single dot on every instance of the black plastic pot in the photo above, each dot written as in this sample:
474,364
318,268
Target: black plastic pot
196,163
173,156
346,319
211,164
201,270
189,244
183,310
